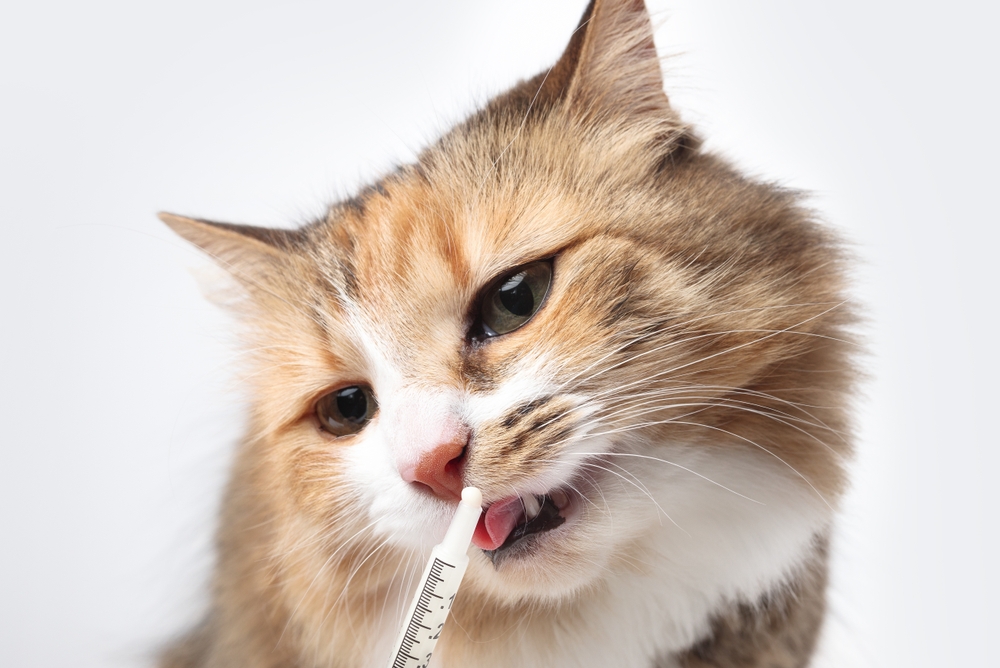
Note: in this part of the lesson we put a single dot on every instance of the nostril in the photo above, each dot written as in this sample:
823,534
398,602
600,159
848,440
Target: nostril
455,466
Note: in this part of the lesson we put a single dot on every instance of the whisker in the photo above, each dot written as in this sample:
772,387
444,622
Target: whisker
635,483
768,334
688,401
319,572
350,577
687,323
675,464
746,440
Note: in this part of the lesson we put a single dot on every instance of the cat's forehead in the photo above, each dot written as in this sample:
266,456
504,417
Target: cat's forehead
420,238
403,263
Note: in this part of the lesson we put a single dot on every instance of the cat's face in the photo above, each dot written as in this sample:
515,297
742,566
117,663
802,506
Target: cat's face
564,304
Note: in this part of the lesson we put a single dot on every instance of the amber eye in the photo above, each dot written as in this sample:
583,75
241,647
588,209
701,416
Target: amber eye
347,410
511,301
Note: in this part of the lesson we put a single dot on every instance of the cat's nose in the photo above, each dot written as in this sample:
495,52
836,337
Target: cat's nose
439,468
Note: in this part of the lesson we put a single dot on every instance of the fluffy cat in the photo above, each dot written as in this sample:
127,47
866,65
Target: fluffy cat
640,356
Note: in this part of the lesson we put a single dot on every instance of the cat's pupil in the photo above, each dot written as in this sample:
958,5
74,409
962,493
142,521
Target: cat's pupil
516,295
352,404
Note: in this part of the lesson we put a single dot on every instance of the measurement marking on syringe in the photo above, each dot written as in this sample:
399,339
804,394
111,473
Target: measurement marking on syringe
430,606
411,640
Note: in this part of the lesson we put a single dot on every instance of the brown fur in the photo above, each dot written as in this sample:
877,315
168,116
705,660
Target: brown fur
658,247
779,631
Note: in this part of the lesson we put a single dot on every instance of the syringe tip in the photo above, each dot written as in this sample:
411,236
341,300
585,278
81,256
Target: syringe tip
472,496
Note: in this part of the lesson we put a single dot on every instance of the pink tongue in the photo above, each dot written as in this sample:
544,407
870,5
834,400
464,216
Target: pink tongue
497,523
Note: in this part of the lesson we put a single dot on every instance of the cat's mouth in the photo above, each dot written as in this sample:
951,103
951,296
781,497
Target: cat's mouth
510,526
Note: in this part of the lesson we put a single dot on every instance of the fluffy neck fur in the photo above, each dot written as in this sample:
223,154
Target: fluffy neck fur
686,379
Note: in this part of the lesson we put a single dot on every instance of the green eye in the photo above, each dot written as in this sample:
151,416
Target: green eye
511,301
347,410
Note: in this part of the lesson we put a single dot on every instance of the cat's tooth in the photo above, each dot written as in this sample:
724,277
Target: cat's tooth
531,506
559,498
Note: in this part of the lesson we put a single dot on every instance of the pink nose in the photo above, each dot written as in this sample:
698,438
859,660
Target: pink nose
439,469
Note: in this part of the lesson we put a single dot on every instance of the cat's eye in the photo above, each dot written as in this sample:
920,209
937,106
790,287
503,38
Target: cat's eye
510,302
347,410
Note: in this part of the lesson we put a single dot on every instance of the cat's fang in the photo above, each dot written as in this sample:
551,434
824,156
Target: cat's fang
559,498
531,506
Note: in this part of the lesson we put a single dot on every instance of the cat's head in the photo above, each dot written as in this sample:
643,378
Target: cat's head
567,304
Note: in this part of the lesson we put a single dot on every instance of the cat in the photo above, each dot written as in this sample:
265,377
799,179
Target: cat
643,358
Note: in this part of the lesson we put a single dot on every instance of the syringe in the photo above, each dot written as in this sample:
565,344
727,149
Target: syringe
438,586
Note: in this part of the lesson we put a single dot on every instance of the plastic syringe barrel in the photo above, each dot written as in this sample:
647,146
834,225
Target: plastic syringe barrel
437,587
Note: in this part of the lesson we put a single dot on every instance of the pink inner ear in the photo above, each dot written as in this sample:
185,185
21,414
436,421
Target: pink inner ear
497,522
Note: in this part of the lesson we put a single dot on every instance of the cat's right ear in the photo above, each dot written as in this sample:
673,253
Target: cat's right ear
255,256
610,66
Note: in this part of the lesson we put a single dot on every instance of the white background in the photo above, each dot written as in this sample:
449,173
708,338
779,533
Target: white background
120,397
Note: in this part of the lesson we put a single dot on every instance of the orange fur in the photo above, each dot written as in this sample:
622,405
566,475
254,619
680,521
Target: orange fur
675,277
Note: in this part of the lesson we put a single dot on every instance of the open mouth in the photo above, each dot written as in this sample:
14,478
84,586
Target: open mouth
507,526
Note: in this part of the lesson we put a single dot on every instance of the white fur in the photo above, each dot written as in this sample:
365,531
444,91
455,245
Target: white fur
723,548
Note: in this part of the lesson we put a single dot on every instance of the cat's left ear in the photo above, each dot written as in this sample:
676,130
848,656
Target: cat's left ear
255,256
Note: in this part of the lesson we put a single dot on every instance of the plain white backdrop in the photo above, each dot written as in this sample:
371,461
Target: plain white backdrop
120,400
